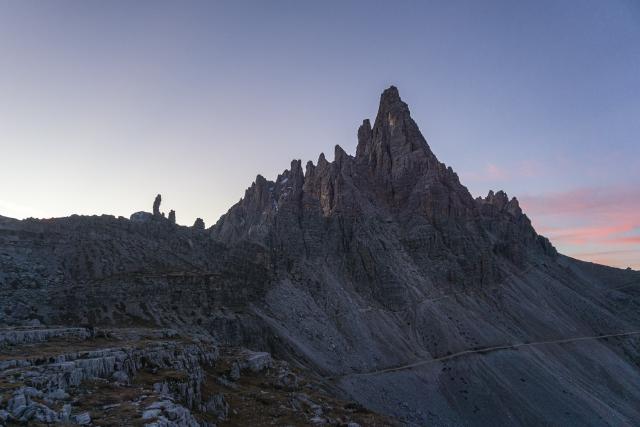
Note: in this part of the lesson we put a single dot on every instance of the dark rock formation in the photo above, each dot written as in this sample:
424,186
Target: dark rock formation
379,273
172,216
156,206
394,193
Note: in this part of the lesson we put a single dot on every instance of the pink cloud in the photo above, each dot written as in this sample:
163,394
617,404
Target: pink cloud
621,258
603,219
529,168
583,235
632,240
611,200
493,172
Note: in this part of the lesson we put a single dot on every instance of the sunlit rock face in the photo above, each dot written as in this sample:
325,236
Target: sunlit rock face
378,273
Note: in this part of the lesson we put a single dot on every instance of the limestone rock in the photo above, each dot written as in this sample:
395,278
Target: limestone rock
58,394
83,418
257,361
32,335
217,406
120,377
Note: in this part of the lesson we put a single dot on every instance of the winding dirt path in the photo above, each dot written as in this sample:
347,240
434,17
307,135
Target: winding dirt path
485,350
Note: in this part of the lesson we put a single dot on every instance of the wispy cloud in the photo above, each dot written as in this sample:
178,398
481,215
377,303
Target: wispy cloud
494,172
631,240
620,251
583,235
585,200
499,173
620,258
604,220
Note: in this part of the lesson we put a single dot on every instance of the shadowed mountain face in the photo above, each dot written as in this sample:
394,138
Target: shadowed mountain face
379,273
393,220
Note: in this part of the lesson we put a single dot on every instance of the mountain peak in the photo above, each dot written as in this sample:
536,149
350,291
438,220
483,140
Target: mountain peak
390,94
393,174
391,107
394,150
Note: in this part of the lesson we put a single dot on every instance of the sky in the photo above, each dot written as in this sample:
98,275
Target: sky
105,104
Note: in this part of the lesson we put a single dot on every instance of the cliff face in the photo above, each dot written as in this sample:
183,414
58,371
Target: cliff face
377,273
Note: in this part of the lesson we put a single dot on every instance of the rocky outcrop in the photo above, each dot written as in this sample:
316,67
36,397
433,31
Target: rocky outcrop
198,224
14,336
139,376
510,229
49,378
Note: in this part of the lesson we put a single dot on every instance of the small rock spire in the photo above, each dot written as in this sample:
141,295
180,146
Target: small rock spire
364,138
172,216
198,224
156,205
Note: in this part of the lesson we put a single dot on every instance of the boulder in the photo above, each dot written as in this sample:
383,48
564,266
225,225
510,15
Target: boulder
83,418
257,361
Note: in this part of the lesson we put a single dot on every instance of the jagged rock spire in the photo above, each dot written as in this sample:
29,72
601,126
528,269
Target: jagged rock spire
391,104
198,224
364,138
393,137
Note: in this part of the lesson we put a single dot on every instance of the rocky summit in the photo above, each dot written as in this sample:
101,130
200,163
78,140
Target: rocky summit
372,290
